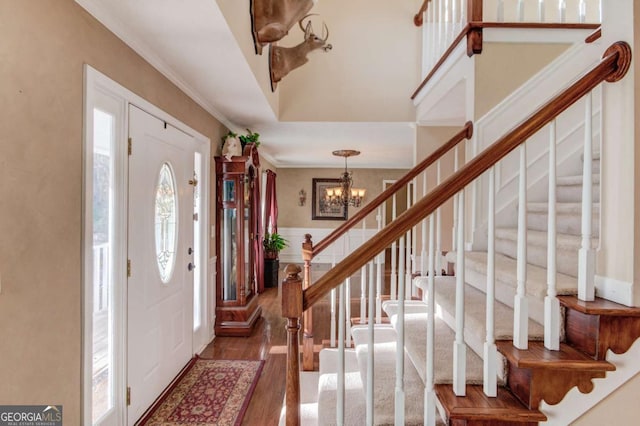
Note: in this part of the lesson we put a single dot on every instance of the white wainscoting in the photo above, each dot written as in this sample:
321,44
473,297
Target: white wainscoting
339,249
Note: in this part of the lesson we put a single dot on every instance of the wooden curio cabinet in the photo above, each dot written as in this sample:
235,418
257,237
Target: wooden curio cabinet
237,309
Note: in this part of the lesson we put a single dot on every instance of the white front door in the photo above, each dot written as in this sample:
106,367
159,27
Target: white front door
160,251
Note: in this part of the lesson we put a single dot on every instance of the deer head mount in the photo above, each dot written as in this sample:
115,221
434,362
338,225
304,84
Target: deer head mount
282,60
271,20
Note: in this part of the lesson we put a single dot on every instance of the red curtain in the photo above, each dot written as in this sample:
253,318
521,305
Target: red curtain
270,204
258,248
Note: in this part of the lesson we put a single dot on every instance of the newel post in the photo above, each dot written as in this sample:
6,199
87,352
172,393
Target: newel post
307,340
474,35
292,310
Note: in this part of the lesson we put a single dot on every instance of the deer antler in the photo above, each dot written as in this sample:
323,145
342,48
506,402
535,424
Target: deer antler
303,18
324,27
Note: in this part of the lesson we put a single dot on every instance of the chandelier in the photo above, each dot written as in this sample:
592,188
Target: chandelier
345,194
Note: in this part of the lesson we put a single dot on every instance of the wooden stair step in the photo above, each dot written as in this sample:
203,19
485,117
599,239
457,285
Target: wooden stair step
598,307
601,325
537,356
477,409
538,374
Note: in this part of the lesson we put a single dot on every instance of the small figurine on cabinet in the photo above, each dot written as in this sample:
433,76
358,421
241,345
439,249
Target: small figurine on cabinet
231,146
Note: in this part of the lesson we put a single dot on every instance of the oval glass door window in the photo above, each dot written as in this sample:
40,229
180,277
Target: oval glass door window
166,222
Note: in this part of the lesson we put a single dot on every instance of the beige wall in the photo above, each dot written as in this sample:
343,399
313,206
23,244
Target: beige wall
354,82
428,140
238,18
291,181
44,46
503,67
619,408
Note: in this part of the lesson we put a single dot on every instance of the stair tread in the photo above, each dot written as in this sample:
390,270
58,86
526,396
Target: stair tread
599,307
385,375
561,208
564,241
477,406
475,311
576,179
537,356
536,276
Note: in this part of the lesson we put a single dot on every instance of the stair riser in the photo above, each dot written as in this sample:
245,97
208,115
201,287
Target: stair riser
565,224
573,193
505,294
567,260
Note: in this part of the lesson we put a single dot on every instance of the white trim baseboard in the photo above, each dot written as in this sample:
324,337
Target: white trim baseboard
615,290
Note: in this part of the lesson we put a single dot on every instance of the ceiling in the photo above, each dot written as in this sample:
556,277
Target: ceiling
185,40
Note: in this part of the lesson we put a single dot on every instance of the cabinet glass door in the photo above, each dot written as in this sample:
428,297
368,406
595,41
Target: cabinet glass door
229,244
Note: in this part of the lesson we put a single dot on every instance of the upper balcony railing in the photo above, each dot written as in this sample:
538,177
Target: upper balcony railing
446,23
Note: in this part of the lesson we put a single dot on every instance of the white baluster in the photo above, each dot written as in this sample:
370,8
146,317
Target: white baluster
490,350
463,13
370,355
582,11
500,11
474,191
332,336
438,228
348,292
600,11
407,269
379,262
441,41
447,25
587,256
551,302
541,10
520,11
520,306
423,252
414,230
454,233
363,281
401,275
341,360
459,347
394,274
399,394
429,390
432,37
454,18
562,10
347,283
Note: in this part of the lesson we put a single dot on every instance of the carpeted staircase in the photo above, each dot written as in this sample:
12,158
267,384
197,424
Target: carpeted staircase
569,194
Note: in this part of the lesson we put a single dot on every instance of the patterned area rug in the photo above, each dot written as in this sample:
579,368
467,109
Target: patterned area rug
210,392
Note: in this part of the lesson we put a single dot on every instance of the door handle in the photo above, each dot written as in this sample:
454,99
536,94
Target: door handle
191,266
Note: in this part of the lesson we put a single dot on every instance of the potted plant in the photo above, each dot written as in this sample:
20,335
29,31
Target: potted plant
233,145
273,243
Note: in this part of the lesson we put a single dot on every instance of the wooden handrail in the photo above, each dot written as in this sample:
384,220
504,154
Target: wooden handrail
417,19
465,133
443,58
612,67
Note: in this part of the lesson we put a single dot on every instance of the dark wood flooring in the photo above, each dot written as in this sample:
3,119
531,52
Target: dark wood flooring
267,342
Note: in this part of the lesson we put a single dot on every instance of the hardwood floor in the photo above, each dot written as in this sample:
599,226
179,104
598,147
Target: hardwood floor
268,342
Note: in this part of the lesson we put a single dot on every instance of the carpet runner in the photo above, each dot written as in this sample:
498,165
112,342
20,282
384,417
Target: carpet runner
209,392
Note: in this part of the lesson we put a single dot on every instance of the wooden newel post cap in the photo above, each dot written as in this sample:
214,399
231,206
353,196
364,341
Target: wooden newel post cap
292,292
292,272
307,238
